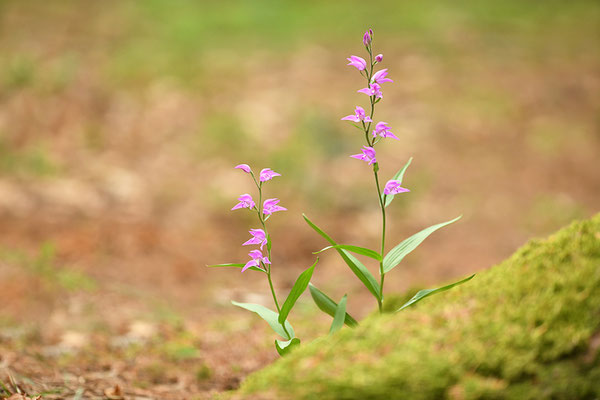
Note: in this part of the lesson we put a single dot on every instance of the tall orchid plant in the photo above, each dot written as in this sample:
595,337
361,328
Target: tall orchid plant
261,262
373,134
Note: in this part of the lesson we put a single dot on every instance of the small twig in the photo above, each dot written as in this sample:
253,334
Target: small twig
14,384
4,388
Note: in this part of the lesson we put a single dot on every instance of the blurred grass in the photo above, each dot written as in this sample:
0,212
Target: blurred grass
145,39
45,266
189,29
32,160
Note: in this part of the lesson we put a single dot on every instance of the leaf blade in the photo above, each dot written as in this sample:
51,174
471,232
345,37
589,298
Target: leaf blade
355,249
397,254
285,346
356,266
271,317
421,294
327,305
297,290
399,176
340,314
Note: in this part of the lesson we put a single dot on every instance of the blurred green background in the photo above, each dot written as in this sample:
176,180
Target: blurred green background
121,121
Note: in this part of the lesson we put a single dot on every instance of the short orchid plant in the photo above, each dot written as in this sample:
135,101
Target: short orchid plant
261,262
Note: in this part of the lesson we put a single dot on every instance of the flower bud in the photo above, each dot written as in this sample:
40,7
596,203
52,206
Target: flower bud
368,36
379,58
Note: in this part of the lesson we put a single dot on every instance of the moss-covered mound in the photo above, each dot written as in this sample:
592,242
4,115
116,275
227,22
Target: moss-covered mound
528,328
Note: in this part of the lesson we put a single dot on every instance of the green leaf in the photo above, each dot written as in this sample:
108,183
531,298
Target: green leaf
298,288
421,294
395,256
340,314
356,266
355,249
235,266
284,347
387,198
270,317
327,305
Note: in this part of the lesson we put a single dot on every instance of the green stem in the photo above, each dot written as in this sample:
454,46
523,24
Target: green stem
273,293
383,219
372,98
268,266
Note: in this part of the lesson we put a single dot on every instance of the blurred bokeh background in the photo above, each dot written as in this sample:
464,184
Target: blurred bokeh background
121,121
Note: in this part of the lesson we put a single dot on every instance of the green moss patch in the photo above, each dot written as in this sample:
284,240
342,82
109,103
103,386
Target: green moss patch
528,328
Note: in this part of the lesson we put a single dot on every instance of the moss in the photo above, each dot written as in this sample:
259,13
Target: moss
525,329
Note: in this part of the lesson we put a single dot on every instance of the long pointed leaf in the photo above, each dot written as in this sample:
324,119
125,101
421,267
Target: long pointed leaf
269,316
395,256
298,288
340,314
356,266
421,294
327,305
399,176
355,249
235,265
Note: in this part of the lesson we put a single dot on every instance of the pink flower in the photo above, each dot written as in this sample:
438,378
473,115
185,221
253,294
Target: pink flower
357,62
368,37
270,206
373,90
245,201
257,258
359,115
267,174
379,58
368,154
380,76
244,167
383,129
258,237
393,187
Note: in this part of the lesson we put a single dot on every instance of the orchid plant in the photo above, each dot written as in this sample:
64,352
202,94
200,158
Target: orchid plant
260,258
260,261
373,134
